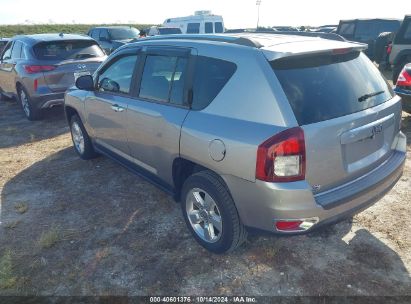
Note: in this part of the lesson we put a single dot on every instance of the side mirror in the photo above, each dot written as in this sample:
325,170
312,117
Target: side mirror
85,83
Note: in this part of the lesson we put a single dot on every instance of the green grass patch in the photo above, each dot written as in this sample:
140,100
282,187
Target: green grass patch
7,280
49,238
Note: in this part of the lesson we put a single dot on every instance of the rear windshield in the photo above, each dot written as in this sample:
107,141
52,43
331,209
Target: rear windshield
329,86
124,33
67,49
169,31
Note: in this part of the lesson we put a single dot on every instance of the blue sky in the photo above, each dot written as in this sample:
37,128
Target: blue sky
240,13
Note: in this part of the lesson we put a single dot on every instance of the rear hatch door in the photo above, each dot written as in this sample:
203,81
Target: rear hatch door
69,59
347,110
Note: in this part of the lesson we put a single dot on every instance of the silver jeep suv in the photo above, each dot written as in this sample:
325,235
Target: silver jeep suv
273,132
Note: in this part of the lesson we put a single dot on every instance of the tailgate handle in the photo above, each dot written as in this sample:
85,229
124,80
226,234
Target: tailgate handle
117,108
367,131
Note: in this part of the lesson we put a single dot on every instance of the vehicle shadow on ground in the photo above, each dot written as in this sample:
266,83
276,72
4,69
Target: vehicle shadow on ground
73,227
16,130
406,127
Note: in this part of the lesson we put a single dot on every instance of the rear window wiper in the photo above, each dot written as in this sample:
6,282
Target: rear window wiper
85,55
367,96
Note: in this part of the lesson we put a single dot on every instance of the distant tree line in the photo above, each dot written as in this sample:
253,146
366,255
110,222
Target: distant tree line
12,30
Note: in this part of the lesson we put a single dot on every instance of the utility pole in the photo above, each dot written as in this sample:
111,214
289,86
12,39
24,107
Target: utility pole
258,3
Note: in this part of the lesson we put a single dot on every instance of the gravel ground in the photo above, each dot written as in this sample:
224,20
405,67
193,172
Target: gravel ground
73,227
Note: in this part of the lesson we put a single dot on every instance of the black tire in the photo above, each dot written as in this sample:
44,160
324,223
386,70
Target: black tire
88,151
30,111
233,232
380,45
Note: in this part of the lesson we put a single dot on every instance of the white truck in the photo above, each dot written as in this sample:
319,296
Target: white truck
202,22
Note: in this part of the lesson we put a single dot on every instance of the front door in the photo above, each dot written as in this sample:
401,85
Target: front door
107,106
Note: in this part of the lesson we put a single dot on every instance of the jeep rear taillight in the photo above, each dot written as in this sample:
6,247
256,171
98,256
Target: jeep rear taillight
404,80
281,158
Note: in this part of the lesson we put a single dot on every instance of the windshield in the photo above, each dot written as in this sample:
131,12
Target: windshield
124,33
67,49
325,86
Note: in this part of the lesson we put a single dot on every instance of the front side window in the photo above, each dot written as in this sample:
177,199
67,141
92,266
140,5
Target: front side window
210,76
163,79
117,77
193,28
209,27
104,35
7,51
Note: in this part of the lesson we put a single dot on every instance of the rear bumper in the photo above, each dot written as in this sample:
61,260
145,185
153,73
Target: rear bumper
47,100
261,204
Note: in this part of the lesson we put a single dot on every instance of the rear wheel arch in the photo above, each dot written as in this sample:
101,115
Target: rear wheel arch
183,169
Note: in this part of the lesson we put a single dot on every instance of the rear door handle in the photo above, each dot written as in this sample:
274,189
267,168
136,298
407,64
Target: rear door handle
117,108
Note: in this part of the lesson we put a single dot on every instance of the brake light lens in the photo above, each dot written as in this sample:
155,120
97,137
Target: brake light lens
32,69
389,49
404,79
281,158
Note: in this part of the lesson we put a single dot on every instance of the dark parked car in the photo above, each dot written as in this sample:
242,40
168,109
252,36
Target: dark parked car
367,31
3,42
400,53
403,87
38,69
112,37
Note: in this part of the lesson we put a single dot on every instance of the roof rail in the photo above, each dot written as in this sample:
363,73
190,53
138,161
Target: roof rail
245,41
330,36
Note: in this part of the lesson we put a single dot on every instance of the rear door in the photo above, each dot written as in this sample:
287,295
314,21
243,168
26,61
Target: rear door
106,107
68,59
347,111
155,116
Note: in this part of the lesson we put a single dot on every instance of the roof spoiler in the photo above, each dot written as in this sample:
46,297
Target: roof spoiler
330,36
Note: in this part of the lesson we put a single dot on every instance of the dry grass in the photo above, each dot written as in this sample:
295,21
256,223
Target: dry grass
21,208
12,224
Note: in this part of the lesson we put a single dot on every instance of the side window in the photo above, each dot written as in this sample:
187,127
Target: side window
209,27
7,51
218,26
347,29
95,34
193,28
163,79
210,76
117,77
16,52
407,33
104,34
